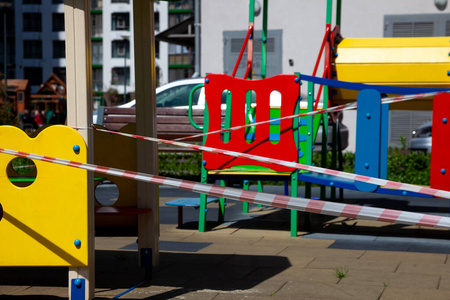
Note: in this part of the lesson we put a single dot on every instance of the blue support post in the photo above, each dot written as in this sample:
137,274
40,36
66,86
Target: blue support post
368,137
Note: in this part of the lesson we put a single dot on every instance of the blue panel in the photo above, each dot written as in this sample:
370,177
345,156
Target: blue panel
360,86
384,140
303,122
250,136
277,122
77,290
302,137
368,137
274,136
193,202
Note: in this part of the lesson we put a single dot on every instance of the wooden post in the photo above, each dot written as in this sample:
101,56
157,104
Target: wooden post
147,153
79,110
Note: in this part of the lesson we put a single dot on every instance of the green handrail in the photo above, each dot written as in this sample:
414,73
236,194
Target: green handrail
191,94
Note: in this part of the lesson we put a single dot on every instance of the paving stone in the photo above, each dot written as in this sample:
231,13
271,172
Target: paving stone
307,290
294,274
404,256
352,264
399,280
424,268
12,289
444,284
301,251
392,293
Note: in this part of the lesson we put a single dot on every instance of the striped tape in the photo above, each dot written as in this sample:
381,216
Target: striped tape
341,174
280,201
348,106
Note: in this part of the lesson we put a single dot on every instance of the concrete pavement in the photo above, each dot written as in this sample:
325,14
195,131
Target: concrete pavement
253,257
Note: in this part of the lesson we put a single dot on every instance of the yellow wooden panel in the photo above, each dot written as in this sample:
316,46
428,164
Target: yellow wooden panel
395,74
425,55
42,221
394,42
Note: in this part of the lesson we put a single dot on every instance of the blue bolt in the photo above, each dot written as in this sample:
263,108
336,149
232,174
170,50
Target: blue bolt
448,73
246,182
443,171
366,165
264,41
301,97
263,75
76,148
332,183
250,37
404,193
444,120
206,210
204,162
77,283
297,80
207,80
313,147
335,54
368,115
77,243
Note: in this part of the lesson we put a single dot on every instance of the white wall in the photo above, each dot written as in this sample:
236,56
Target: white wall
303,25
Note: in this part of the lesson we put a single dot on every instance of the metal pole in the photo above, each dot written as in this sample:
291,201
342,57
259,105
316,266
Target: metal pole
197,38
125,73
4,54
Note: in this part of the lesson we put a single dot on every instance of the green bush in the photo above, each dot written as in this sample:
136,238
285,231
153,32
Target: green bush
403,166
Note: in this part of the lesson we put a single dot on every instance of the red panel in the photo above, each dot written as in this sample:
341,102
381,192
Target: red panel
440,148
285,149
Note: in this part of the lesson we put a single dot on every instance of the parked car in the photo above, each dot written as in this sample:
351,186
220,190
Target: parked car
421,138
172,94
176,95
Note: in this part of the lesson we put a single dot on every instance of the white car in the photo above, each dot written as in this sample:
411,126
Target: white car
174,94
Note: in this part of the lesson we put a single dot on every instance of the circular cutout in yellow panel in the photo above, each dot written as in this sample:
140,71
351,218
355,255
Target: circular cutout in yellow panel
21,171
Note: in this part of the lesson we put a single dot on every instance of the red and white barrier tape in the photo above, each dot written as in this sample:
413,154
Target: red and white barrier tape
373,180
343,107
286,202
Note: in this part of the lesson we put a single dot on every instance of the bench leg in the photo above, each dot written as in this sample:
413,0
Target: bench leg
221,217
180,216
202,214
246,187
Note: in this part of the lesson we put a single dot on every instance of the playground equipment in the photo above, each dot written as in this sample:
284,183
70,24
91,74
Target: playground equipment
385,66
46,222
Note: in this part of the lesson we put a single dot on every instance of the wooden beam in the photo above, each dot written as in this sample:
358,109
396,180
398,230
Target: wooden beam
79,108
147,159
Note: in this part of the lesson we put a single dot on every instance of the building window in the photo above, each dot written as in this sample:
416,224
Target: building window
157,49
120,1
156,17
32,48
120,21
96,4
60,72
58,21
120,48
59,49
174,19
96,21
31,1
118,74
33,74
97,79
32,22
97,53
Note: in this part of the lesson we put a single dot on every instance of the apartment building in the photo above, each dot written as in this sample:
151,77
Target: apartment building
36,43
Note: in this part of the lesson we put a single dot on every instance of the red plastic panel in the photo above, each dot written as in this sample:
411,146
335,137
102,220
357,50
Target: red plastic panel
440,148
285,149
